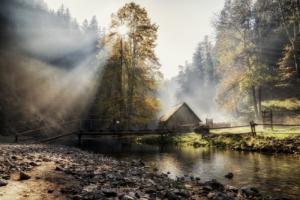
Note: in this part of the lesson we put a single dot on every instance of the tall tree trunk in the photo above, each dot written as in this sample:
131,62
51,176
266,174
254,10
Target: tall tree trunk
237,112
259,101
121,83
297,63
254,102
294,44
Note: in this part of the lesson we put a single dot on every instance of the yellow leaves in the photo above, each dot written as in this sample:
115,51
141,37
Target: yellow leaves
136,82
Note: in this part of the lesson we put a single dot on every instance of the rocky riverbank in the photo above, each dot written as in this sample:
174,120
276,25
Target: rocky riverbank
95,176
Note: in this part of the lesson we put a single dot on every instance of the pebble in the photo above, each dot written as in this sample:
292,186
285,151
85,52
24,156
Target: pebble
3,182
23,175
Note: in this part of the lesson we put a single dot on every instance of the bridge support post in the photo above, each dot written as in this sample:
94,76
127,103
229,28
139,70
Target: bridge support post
79,140
16,139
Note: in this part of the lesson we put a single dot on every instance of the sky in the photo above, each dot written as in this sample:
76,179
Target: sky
182,24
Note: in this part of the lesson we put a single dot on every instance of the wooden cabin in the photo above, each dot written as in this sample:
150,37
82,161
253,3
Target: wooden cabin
179,114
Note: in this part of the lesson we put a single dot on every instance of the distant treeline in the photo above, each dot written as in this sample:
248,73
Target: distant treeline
42,57
255,58
29,28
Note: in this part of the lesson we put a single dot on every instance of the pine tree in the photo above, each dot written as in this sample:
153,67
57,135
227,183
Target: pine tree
85,27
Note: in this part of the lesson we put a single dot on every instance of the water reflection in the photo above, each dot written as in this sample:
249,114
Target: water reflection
267,172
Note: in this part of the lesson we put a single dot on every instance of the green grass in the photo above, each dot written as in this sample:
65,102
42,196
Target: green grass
196,140
289,111
11,139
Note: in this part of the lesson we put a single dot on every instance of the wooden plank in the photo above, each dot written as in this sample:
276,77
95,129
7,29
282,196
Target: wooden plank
125,133
59,136
230,127
281,124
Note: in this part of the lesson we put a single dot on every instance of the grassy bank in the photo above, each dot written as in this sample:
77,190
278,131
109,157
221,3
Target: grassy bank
219,139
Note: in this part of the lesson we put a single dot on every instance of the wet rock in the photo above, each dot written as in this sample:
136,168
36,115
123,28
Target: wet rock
285,198
221,196
6,177
172,196
127,197
207,188
142,163
50,191
211,195
231,188
229,175
267,148
59,169
155,169
197,178
246,191
24,176
254,189
209,183
3,182
110,192
134,163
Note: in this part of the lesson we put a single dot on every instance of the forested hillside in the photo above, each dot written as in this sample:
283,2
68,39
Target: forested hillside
251,65
45,57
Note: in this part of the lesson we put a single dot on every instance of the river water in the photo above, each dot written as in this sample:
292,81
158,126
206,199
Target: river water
273,174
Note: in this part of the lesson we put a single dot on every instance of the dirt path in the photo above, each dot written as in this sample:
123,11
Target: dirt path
37,188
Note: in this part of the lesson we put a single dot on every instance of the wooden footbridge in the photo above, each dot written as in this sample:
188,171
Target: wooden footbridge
116,132
108,131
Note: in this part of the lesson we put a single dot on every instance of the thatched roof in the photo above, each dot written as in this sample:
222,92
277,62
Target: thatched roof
173,109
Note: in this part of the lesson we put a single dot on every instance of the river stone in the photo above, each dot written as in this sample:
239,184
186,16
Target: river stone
110,192
254,189
127,197
142,163
134,163
229,175
51,191
221,196
155,169
24,176
246,191
208,188
3,182
172,195
211,195
231,188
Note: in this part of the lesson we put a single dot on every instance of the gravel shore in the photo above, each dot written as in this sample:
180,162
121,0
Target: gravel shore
99,177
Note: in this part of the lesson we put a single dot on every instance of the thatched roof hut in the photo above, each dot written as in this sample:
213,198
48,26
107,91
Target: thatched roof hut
178,115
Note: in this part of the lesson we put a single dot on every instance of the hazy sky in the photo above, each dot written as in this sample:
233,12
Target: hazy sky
182,23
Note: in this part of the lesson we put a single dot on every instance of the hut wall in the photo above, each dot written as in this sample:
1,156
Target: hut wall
182,116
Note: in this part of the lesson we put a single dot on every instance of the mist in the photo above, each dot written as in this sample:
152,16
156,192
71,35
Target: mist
47,64
196,85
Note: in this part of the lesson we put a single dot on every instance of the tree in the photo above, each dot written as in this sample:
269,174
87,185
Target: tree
137,61
290,15
85,26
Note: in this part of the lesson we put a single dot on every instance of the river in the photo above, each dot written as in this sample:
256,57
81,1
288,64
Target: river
276,175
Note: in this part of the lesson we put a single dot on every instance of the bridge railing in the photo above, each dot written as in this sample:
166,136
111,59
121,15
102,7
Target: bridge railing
80,124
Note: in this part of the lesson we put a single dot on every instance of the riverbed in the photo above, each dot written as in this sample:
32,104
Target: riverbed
276,175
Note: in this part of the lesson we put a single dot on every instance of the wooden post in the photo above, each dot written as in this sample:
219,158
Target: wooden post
91,125
271,117
79,126
264,118
252,126
16,139
79,140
